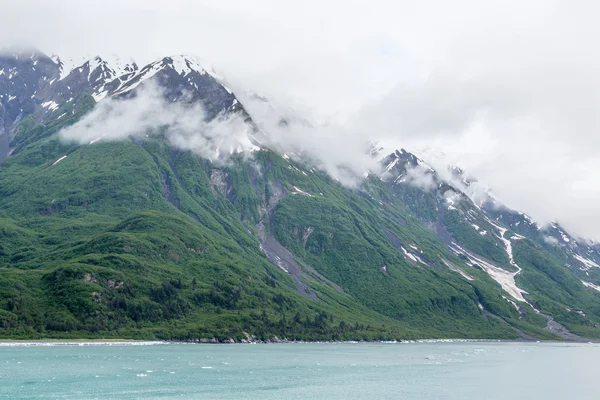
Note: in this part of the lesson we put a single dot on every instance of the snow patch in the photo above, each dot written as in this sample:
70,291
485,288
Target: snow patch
564,237
407,255
452,198
300,191
456,269
412,246
95,140
392,164
411,256
59,160
591,285
505,278
99,95
50,105
68,64
511,302
587,264
507,244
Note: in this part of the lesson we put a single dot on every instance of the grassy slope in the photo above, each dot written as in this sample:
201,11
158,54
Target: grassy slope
133,240
93,245
553,288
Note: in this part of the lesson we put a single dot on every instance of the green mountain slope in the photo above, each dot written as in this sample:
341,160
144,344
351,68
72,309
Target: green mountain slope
126,239
137,239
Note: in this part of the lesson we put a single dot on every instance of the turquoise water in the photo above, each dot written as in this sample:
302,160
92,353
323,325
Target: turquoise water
302,371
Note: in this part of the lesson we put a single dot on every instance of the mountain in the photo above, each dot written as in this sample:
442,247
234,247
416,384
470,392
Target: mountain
138,238
580,255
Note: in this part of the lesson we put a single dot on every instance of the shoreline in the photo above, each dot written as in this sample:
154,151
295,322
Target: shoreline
130,342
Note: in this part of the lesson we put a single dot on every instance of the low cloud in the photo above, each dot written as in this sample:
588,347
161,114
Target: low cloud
504,88
419,176
340,151
551,240
148,114
451,197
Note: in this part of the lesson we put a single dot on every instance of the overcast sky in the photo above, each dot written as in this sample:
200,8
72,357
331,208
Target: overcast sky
509,90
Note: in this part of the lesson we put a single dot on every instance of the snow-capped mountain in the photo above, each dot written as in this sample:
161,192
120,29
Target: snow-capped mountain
32,83
477,207
412,242
44,79
22,76
181,75
580,253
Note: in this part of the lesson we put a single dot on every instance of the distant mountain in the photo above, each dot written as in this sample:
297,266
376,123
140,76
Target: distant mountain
139,239
579,254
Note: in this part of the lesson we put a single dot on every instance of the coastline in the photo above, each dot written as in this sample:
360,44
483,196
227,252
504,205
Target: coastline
79,342
128,342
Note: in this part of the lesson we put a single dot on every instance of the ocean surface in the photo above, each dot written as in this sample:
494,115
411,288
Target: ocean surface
455,370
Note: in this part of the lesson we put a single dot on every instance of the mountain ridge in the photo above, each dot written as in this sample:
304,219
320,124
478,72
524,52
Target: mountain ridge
140,238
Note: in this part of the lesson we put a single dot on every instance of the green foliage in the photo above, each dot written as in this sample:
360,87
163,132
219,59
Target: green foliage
558,292
486,245
139,240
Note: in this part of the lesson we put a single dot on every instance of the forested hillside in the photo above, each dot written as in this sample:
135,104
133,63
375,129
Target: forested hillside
137,238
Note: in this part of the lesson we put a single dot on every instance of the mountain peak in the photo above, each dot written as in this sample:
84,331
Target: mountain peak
185,64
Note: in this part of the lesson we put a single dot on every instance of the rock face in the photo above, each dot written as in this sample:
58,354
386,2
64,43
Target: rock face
182,78
22,75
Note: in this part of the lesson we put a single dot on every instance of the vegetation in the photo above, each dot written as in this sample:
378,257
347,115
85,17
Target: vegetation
138,240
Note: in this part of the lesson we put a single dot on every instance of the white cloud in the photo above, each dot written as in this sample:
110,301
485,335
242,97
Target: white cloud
507,89
185,126
551,240
149,114
419,176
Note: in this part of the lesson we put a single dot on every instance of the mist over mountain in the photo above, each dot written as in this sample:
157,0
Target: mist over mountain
480,84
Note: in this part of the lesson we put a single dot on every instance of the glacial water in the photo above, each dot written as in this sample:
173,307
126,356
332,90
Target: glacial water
475,370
